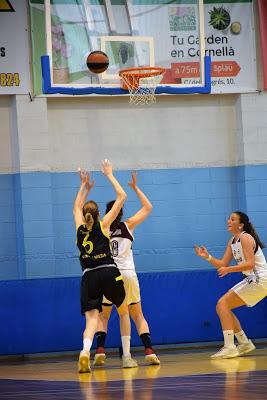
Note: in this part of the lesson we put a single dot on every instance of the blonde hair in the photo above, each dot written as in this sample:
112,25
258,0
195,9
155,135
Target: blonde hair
91,214
89,221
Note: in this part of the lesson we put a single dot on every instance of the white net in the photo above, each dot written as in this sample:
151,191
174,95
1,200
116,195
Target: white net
142,89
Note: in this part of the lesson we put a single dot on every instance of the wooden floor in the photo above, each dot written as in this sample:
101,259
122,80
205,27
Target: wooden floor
183,374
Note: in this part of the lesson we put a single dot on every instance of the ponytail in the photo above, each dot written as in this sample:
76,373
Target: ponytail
90,214
253,233
249,228
89,221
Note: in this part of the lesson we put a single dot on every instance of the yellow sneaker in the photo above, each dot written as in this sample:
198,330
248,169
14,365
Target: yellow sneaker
84,362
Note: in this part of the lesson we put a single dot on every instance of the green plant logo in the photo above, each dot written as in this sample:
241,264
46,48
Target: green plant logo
219,18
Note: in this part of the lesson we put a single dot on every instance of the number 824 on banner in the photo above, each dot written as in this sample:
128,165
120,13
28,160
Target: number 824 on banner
9,79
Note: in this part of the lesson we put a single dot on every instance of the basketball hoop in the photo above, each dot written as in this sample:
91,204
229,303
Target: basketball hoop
141,83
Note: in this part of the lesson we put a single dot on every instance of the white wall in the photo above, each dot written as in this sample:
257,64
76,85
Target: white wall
60,134
178,131
252,131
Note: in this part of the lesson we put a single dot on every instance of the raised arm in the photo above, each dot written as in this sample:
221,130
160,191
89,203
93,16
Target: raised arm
202,252
85,187
146,208
120,196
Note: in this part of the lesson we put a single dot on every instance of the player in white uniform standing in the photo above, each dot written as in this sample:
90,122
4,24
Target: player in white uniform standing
121,237
245,247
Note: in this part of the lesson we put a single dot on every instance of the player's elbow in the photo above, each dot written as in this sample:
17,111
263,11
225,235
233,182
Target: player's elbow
148,208
122,196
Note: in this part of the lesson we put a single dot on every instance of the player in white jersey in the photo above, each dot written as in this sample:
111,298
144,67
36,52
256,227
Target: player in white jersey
121,237
246,248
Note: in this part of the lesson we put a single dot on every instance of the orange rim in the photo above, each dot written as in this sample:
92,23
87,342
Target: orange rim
150,71
133,75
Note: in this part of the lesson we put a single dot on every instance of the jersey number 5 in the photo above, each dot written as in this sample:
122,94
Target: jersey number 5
87,244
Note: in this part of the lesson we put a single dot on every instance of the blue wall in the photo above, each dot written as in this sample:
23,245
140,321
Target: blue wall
43,315
189,206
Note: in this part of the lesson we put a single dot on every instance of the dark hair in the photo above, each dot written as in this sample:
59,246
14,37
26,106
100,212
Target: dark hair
91,214
119,216
249,228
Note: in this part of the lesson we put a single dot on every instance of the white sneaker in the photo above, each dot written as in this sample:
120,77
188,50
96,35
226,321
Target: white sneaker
84,362
152,359
226,352
244,348
128,362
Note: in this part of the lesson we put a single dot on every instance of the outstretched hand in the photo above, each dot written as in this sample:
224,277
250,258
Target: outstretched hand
201,251
106,167
133,183
85,178
223,271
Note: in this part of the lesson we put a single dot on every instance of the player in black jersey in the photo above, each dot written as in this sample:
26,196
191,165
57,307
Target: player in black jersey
101,277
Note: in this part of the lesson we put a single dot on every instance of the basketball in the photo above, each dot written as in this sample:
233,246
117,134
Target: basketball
97,62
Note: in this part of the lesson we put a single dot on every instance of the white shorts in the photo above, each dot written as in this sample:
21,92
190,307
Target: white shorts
250,292
131,286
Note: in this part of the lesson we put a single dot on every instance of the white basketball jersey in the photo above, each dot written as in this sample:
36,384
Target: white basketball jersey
121,247
260,269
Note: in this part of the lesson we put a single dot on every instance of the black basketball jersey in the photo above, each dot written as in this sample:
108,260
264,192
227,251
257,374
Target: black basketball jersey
94,247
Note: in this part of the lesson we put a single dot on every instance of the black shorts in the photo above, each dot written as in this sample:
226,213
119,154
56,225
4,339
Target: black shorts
105,281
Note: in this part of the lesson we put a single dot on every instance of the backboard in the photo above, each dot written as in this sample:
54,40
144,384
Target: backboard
133,33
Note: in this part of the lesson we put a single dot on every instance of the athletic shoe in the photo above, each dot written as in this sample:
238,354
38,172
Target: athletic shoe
244,348
152,359
226,352
100,356
84,362
128,362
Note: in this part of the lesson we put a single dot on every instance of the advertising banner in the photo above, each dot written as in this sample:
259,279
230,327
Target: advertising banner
229,41
14,47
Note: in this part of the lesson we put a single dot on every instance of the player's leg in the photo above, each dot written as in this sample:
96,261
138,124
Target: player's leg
133,298
141,324
91,299
245,345
113,289
229,323
102,328
251,292
88,335
125,329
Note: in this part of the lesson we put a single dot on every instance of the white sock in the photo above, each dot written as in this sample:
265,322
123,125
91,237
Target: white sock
87,344
125,341
229,340
241,337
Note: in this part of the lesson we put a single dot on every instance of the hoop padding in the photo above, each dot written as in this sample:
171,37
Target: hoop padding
141,83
